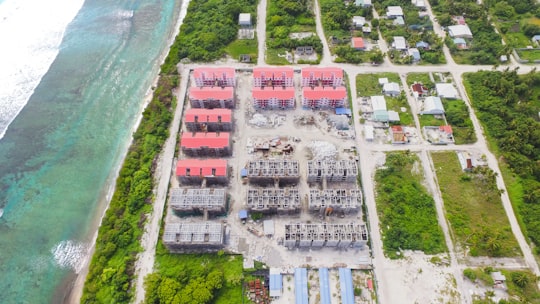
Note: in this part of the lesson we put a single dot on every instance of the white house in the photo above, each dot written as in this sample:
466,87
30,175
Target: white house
446,90
460,31
378,104
244,19
362,3
382,81
391,89
400,43
358,21
433,106
394,11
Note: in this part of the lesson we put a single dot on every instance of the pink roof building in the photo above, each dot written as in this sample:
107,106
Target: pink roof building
214,171
323,77
211,97
324,97
206,144
214,77
208,120
273,98
272,77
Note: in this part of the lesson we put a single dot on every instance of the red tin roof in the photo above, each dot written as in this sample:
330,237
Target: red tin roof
203,139
201,167
208,115
206,93
322,72
277,92
213,72
324,92
272,72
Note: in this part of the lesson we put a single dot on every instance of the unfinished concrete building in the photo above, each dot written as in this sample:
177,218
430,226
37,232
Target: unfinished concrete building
197,200
332,170
194,237
274,200
328,201
267,171
325,235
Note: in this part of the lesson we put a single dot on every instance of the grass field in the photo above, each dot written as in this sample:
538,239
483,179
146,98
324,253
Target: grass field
368,84
521,283
474,209
395,104
244,46
530,55
420,77
430,120
273,58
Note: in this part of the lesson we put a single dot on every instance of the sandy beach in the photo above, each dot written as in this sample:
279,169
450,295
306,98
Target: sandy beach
73,293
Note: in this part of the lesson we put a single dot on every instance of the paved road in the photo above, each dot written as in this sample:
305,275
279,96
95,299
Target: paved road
261,32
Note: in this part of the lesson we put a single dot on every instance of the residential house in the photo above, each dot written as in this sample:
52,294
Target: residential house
420,4
433,106
399,21
460,31
382,81
315,76
398,135
446,90
358,43
324,97
422,45
208,120
273,98
415,54
244,20
378,104
358,21
391,89
210,77
394,11
459,20
460,43
535,39
195,171
211,97
270,77
399,43
419,90
200,144
362,3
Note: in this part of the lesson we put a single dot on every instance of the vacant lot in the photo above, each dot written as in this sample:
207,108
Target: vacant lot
406,210
474,208
368,84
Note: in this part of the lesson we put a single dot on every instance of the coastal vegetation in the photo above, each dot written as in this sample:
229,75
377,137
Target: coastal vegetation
474,208
112,267
405,208
209,27
194,278
507,105
284,20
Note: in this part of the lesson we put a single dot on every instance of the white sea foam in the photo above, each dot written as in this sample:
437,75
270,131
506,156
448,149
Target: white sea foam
31,32
70,254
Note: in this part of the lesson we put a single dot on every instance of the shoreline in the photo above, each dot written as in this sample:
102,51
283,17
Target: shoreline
74,290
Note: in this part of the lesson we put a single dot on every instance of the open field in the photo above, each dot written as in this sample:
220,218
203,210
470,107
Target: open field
474,209
420,78
241,47
368,84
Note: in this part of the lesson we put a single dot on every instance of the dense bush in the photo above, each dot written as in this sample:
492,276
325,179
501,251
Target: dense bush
508,104
407,212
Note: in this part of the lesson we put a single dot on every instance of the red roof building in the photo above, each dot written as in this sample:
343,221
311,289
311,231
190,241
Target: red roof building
272,77
211,97
208,120
358,43
206,144
214,171
214,77
420,89
324,97
314,77
273,98
398,135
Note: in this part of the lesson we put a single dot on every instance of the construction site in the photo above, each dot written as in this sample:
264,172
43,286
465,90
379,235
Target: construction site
284,190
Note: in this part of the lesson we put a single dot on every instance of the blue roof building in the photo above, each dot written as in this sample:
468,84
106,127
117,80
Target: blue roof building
343,111
346,284
243,214
276,283
300,285
324,286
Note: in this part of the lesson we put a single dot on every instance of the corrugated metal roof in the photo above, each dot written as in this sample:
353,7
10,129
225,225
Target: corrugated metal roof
208,115
217,93
300,285
318,93
201,167
324,286
378,103
343,111
358,43
277,92
346,285
268,72
205,139
276,284
320,73
210,73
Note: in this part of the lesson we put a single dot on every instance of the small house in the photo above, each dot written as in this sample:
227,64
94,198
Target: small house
535,38
358,21
433,106
380,113
362,3
399,21
446,90
460,31
391,89
369,132
394,11
382,81
419,90
420,4
460,43
415,54
399,43
459,20
358,43
498,277
244,20
422,45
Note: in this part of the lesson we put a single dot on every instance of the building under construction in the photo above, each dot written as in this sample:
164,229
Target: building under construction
332,170
325,235
194,237
197,200
283,171
274,200
328,201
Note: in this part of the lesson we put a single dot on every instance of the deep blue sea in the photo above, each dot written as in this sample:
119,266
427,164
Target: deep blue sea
59,155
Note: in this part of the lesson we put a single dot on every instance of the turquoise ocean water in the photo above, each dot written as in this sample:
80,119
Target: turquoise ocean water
57,156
